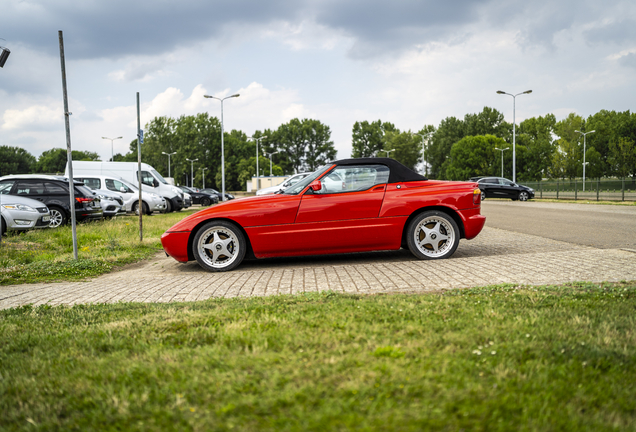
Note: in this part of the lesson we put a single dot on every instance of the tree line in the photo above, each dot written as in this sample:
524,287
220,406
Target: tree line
456,149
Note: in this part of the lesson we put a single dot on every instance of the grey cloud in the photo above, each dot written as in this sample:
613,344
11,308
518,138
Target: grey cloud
118,28
615,32
628,60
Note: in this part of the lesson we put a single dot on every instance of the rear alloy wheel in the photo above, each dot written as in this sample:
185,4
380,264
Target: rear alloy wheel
58,217
219,246
523,196
205,202
433,235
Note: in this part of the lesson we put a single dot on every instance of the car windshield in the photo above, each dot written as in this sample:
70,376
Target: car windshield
158,176
298,187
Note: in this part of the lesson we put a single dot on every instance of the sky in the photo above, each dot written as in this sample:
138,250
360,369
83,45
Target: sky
411,63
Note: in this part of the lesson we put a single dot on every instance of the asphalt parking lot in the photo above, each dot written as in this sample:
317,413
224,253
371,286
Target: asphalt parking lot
496,256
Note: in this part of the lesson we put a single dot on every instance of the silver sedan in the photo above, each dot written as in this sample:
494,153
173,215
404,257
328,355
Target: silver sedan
21,214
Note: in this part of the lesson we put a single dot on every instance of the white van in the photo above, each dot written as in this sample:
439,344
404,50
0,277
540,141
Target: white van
151,180
151,202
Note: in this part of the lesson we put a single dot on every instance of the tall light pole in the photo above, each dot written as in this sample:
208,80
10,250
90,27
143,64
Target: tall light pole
514,132
584,163
424,137
112,147
222,147
502,150
192,161
203,170
270,162
169,154
257,155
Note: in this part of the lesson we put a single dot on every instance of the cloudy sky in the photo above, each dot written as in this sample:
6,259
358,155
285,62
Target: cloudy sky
340,61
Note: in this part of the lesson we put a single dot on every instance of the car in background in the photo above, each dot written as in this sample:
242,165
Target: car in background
287,183
187,200
228,196
382,205
499,187
20,213
198,197
112,203
129,192
54,193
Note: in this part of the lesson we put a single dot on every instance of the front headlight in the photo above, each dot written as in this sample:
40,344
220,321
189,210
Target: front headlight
20,207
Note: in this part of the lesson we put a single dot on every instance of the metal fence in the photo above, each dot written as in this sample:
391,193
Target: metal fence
591,190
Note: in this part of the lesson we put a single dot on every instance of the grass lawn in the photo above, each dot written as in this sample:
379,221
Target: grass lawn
501,358
47,254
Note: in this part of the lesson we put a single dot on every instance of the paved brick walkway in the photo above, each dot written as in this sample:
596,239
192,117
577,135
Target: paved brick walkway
494,257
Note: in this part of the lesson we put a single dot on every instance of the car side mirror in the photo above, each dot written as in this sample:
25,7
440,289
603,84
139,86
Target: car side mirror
155,183
122,189
316,185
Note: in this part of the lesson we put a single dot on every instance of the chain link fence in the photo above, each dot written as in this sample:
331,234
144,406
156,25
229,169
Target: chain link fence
591,190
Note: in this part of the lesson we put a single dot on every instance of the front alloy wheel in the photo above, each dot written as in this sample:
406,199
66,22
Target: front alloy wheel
219,246
433,235
523,196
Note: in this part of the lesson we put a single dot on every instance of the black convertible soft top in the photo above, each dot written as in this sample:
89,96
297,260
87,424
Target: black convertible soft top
397,172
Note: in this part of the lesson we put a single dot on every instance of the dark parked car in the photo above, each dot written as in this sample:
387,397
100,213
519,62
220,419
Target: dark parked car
228,196
499,187
53,192
198,197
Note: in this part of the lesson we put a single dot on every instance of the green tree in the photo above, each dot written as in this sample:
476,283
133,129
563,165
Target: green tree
535,134
450,131
595,165
54,161
15,160
304,144
406,145
622,156
367,138
474,156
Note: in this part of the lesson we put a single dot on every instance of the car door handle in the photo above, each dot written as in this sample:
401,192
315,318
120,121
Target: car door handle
377,188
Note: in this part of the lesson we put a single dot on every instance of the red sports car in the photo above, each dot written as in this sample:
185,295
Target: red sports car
350,205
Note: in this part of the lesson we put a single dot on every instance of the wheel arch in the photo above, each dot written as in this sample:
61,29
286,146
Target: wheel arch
449,211
249,253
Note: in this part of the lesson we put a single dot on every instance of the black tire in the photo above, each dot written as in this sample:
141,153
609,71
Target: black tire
3,226
432,235
144,206
169,206
219,235
483,195
205,202
58,217
523,196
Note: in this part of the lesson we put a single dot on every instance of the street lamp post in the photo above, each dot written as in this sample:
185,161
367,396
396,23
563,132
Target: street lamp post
584,163
270,162
192,161
387,152
222,147
424,137
502,150
112,147
203,170
514,132
258,179
169,154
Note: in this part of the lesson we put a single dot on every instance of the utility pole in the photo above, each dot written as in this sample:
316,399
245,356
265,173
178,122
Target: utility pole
69,156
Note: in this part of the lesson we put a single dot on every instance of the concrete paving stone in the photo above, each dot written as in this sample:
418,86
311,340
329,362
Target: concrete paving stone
495,257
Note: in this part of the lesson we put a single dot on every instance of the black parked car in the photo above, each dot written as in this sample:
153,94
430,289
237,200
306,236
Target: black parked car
499,187
228,196
199,197
53,192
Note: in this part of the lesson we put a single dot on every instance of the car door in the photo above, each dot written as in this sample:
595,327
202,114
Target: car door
344,214
33,189
508,188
